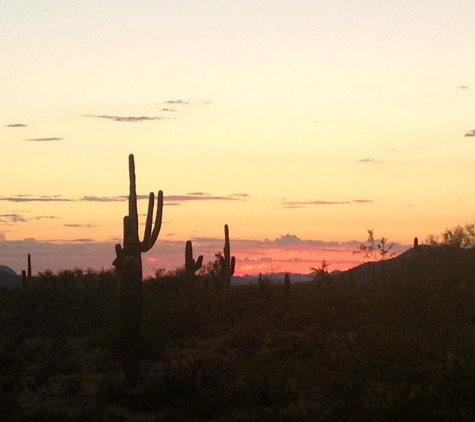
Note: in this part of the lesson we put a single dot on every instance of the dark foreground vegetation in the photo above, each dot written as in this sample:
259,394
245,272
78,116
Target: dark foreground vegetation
398,346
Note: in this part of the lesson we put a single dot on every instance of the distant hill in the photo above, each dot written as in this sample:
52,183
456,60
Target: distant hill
8,277
439,261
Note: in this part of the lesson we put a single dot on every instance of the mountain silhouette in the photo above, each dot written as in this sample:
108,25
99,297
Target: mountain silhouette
8,277
439,262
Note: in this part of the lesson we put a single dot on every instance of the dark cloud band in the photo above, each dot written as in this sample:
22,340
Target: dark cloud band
129,119
53,139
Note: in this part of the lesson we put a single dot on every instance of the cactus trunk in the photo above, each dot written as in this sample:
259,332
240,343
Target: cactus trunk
26,275
29,267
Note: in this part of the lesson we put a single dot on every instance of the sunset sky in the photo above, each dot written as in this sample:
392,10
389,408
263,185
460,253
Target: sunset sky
292,121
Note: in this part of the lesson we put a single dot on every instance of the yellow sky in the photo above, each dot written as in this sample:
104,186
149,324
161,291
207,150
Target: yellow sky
326,119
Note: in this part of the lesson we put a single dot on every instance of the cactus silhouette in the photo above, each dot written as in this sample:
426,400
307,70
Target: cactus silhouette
128,264
191,266
26,276
132,245
287,284
226,262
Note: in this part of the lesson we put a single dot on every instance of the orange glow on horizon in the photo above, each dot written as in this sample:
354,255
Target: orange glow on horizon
296,259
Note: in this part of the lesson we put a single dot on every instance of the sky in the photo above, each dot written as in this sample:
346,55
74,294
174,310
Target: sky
300,124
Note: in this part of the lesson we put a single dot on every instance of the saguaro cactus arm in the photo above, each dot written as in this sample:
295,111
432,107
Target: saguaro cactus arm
150,236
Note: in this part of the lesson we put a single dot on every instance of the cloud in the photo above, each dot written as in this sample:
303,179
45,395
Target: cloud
30,198
406,150
370,161
43,139
133,119
12,218
169,200
463,87
17,125
169,110
288,239
105,198
79,225
57,198
240,195
290,207
302,204
200,196
470,133
18,218
297,203
183,102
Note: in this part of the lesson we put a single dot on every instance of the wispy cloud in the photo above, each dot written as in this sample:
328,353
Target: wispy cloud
200,196
471,133
53,139
18,218
12,218
302,204
46,217
103,198
183,102
370,161
82,226
130,119
463,87
406,150
17,125
30,198
169,200
239,195
289,207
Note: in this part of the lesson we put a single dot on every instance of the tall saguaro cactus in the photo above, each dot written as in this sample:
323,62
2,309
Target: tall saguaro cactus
26,276
128,264
133,246
226,262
